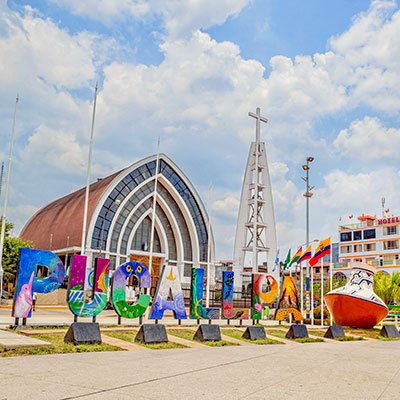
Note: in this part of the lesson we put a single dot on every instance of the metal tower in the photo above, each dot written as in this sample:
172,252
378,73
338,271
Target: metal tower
255,229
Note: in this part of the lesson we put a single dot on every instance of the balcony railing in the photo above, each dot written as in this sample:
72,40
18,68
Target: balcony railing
375,263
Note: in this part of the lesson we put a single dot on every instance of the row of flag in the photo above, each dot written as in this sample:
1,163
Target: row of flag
323,248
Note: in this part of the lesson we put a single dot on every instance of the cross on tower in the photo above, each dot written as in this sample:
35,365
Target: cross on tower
255,231
258,118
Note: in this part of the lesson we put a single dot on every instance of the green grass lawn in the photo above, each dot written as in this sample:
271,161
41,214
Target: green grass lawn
129,336
316,332
280,333
58,347
370,333
349,338
309,340
188,335
238,335
379,337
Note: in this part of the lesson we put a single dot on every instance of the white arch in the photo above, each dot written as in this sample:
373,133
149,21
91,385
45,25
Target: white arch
179,200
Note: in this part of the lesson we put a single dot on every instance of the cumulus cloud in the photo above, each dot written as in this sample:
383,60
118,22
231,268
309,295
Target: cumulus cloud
57,149
228,206
106,11
180,18
368,139
198,97
371,49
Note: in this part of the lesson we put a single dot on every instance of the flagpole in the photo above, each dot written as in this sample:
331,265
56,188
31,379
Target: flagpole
208,249
322,291
301,290
312,295
153,212
330,282
83,241
3,218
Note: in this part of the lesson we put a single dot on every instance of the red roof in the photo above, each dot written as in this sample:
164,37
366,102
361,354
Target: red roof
63,218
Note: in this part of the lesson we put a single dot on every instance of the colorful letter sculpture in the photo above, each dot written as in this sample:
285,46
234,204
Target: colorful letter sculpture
288,301
228,311
265,290
118,295
169,283
27,283
197,309
76,293
356,304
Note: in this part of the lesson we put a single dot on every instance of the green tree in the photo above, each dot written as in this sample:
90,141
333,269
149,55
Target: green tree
11,253
387,287
336,283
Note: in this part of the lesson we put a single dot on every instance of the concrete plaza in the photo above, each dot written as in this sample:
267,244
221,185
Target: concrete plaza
368,369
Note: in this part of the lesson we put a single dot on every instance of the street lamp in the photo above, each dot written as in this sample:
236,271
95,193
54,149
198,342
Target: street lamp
308,194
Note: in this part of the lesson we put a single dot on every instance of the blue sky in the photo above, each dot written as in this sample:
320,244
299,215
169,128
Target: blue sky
325,74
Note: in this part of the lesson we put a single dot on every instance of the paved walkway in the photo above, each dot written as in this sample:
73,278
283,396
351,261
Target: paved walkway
11,340
361,370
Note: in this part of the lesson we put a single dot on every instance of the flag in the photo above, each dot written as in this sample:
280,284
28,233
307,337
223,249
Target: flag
287,261
306,255
322,249
276,261
296,256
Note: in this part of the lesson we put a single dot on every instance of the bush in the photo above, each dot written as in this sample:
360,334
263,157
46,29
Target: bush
317,313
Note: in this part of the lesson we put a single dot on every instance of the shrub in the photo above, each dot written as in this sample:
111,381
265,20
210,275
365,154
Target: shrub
317,313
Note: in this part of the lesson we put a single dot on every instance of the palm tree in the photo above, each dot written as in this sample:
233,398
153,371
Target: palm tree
387,287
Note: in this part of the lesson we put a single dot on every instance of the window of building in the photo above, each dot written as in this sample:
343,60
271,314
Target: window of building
390,230
390,244
369,234
345,249
370,247
317,270
357,235
187,270
357,248
345,236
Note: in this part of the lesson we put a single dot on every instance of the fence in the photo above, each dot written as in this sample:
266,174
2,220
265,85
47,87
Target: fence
393,318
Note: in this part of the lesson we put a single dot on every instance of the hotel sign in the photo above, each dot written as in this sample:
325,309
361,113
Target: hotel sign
392,220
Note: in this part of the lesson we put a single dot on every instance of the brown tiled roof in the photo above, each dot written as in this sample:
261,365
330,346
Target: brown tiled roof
63,218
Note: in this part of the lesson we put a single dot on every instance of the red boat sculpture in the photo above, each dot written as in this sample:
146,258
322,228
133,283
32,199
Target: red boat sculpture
355,304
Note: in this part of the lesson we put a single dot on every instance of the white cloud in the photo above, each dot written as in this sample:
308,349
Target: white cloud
106,10
368,139
183,17
56,149
46,53
180,18
372,50
228,206
198,97
346,193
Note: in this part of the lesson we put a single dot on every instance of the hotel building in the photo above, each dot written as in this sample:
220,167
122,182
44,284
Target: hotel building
371,240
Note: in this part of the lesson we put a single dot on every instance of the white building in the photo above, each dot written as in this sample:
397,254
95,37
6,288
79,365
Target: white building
371,240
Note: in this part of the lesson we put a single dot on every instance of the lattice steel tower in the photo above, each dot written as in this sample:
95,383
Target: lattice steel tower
255,230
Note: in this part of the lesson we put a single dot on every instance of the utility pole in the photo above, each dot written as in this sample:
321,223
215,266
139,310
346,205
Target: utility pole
3,218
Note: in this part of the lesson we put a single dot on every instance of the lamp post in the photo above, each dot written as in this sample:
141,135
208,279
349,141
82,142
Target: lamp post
307,195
